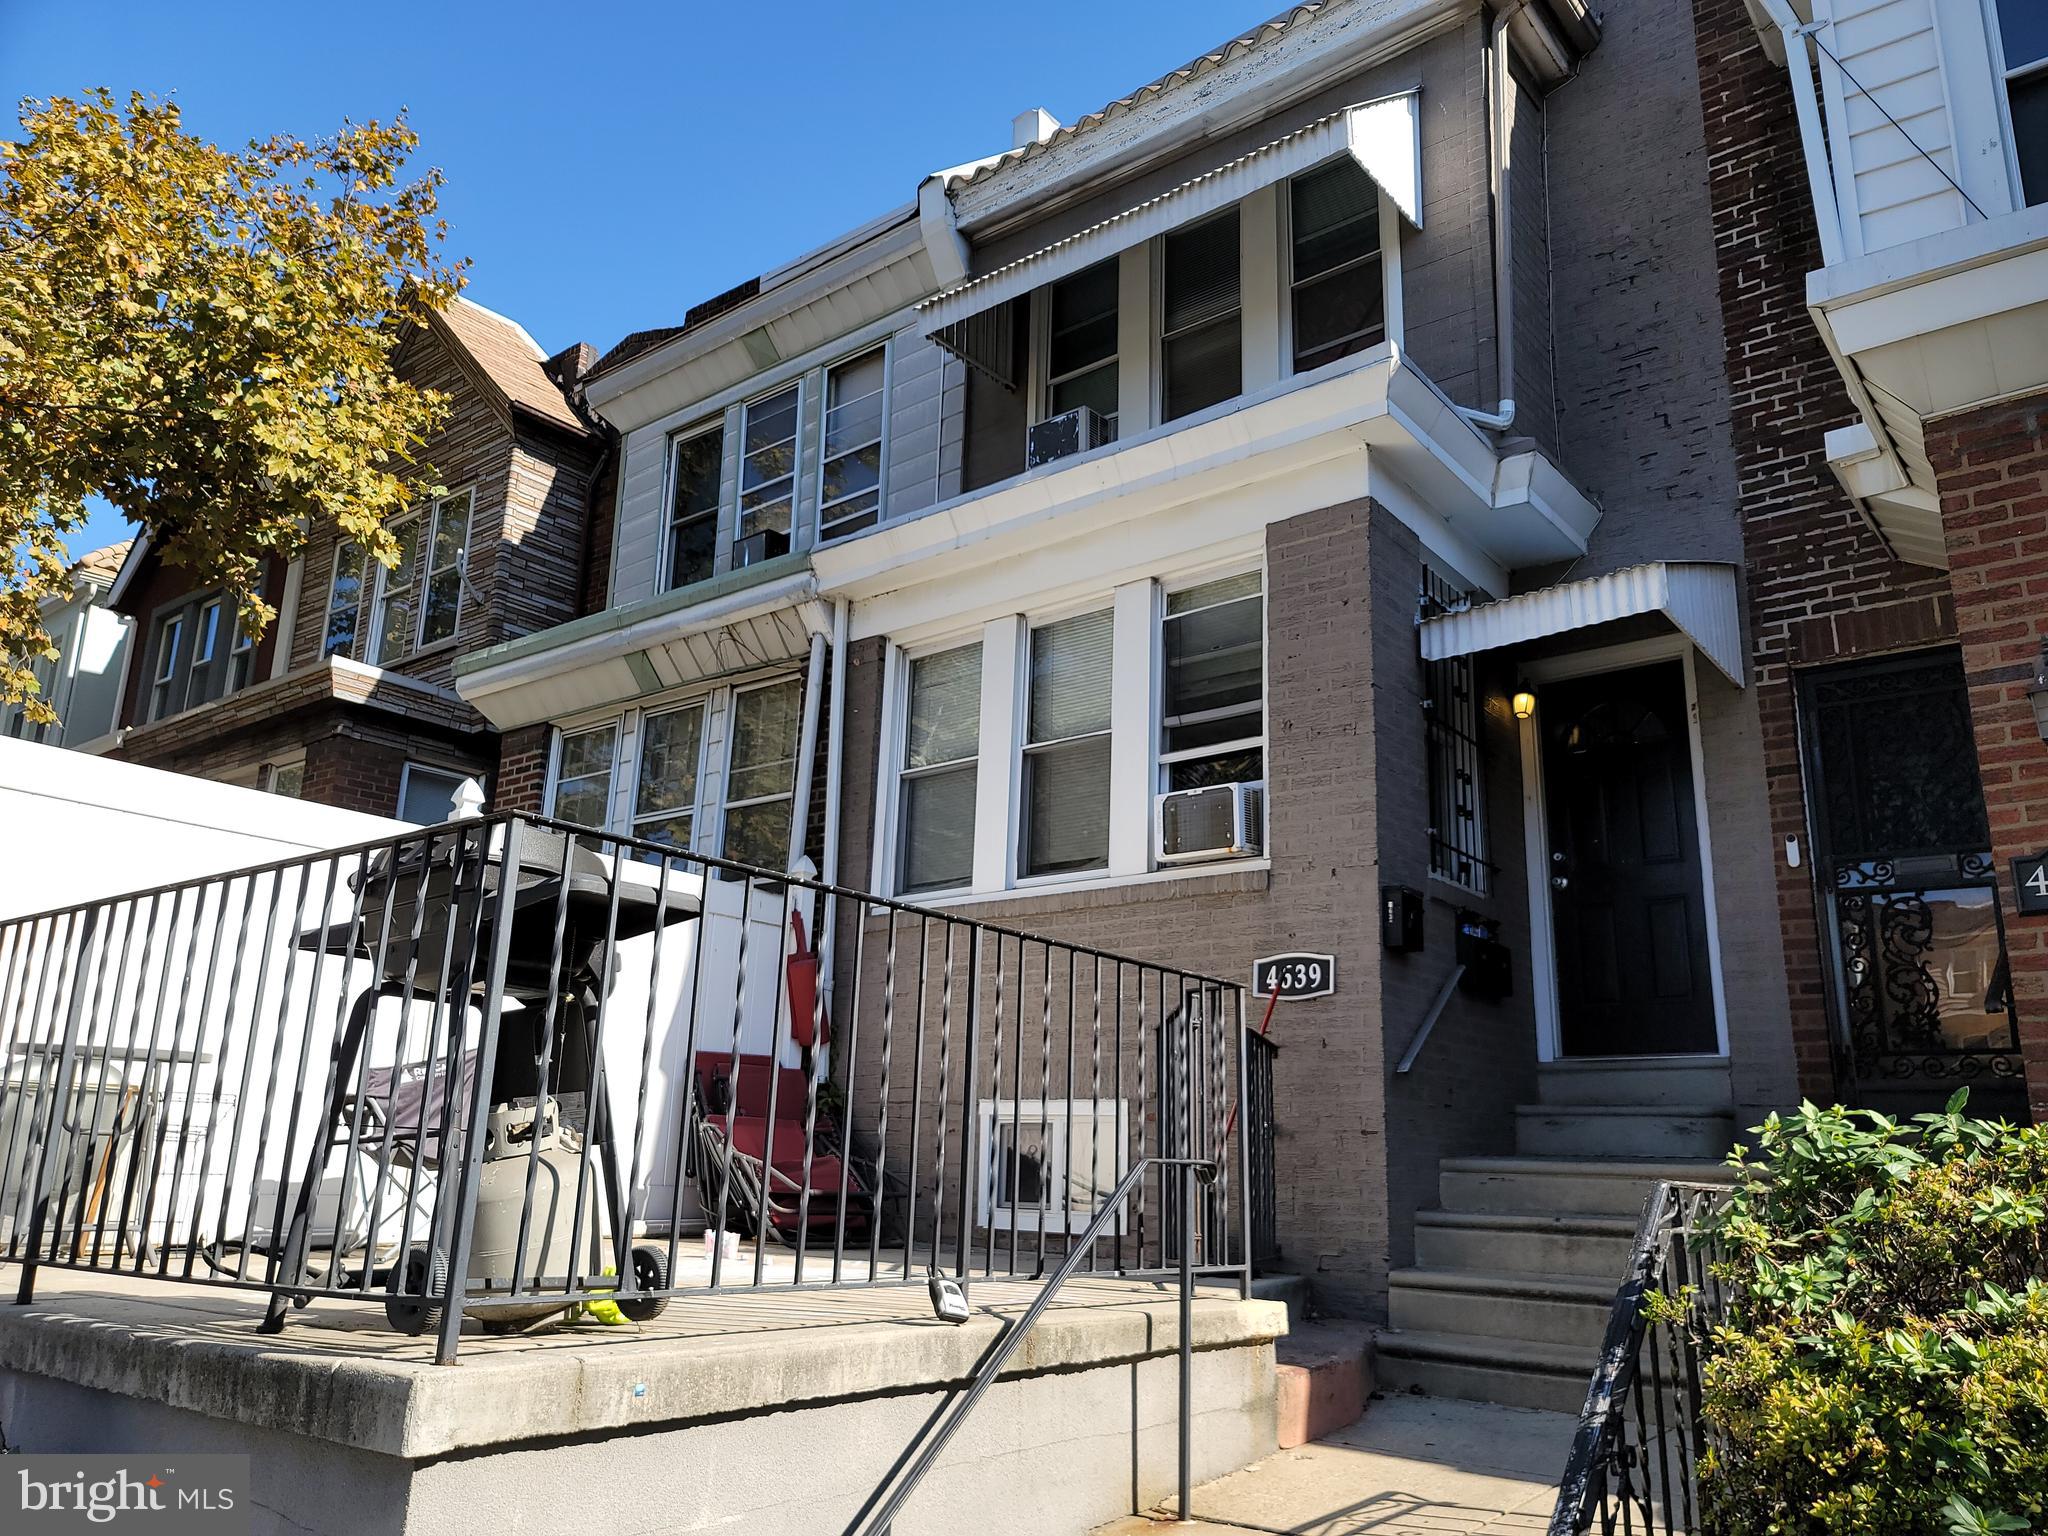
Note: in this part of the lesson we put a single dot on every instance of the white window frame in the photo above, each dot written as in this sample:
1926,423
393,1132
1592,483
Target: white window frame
1390,272
1024,747
364,585
1002,1112
2005,75
557,749
896,687
726,804
635,816
1157,326
713,426
796,467
429,521
1044,381
278,768
168,631
821,507
1164,760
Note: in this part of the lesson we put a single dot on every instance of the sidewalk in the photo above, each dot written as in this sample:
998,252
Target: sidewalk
1412,1466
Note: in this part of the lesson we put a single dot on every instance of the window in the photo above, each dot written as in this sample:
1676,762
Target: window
1339,299
287,779
768,468
1066,751
1200,352
165,696
942,735
197,654
760,776
850,494
418,607
1081,367
1050,1163
344,599
426,796
1450,732
665,802
1212,697
693,506
583,776
2023,37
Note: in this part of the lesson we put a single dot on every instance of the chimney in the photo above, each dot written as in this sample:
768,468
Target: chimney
1033,127
568,366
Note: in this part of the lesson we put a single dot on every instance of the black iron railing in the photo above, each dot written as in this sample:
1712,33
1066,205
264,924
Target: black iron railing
508,1068
1634,1463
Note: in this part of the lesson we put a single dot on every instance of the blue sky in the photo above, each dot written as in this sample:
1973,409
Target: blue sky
609,165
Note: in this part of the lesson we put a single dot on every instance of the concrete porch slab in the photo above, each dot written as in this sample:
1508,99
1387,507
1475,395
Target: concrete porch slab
1412,1466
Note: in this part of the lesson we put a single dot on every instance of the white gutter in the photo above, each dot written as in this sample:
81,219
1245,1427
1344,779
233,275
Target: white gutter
806,752
1499,133
659,629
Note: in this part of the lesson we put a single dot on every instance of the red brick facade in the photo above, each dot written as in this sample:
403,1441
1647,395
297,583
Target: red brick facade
1822,585
1990,465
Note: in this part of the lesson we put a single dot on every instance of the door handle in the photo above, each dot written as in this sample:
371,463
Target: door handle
1559,882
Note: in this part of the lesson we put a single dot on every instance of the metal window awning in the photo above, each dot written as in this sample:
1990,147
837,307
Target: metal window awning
1696,598
1383,136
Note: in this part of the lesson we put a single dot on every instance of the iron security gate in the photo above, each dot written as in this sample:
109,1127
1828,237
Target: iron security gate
1907,885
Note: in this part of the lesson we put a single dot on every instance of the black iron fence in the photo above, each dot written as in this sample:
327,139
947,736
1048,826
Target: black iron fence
509,1068
1634,1463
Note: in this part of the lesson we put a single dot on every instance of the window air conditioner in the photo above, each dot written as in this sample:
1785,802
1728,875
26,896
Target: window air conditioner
1070,432
755,548
1218,822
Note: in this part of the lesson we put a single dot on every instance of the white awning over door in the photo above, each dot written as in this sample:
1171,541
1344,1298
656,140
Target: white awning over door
1384,137
1696,598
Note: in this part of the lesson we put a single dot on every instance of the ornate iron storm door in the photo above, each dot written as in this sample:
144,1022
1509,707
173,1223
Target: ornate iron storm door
1915,944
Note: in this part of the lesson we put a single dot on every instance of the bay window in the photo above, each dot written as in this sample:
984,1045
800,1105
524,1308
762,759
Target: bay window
942,742
198,652
1201,356
760,774
1336,292
665,799
768,432
697,463
1212,694
1080,356
1066,748
850,492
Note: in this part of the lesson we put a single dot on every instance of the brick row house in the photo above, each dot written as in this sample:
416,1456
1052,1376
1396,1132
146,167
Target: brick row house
347,698
1880,189
1307,484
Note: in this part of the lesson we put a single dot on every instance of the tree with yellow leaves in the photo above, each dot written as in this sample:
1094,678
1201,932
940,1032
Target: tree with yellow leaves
203,337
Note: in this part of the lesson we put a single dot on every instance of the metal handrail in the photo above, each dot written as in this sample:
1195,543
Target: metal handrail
875,1519
1436,1011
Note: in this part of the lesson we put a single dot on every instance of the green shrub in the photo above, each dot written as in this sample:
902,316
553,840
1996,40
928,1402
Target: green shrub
1884,1366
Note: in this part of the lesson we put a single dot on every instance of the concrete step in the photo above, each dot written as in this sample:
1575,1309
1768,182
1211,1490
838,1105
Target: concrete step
1596,1246
1540,1309
1623,1131
1292,1290
1568,1186
1516,1373
1322,1377
1634,1080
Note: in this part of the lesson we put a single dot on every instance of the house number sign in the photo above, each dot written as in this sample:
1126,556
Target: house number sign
2030,882
1294,976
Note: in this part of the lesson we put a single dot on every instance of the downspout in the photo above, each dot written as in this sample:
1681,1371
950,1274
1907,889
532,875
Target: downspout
1498,132
835,759
1792,34
806,750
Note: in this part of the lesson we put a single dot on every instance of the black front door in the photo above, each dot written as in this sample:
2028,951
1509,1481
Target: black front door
1628,909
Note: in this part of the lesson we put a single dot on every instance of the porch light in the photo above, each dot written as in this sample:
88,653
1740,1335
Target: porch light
1525,705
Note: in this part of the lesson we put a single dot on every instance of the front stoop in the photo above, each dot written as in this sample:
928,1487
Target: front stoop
1515,1273
1322,1378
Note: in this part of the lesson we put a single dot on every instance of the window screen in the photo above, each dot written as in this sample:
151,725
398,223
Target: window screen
942,735
1212,715
1200,343
1066,756
1338,296
1081,366
693,507
851,496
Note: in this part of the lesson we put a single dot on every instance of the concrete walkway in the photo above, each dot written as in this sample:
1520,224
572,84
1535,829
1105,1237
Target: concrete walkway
1413,1466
